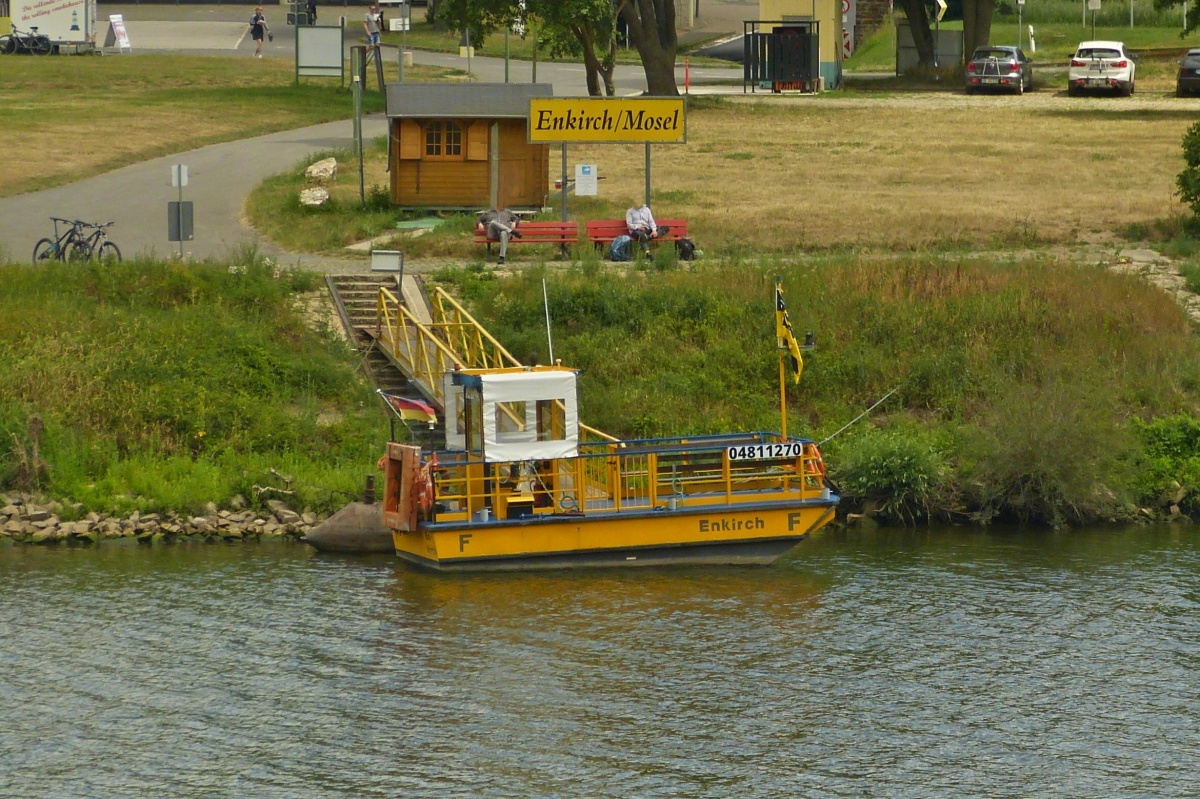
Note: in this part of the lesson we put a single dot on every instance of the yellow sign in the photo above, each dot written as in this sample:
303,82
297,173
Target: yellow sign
626,120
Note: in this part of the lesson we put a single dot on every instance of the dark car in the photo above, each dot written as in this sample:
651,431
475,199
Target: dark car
1188,80
1000,68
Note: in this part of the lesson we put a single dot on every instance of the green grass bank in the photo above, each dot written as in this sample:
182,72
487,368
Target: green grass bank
157,386
1032,391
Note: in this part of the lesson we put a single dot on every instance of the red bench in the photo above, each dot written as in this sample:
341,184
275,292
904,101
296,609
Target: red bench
601,232
563,234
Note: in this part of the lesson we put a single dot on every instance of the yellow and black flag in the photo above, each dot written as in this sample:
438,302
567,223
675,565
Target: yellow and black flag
786,339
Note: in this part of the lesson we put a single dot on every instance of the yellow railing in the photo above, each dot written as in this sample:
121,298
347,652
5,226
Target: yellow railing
418,350
466,336
617,481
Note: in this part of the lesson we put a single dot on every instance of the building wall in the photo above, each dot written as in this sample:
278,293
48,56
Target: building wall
828,14
418,180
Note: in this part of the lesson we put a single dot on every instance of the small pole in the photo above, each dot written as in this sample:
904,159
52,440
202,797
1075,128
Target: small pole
362,195
180,206
564,181
647,173
506,55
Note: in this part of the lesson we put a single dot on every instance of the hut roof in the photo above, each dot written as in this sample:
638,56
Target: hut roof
475,100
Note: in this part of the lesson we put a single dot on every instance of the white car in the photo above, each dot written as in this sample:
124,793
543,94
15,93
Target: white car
1101,65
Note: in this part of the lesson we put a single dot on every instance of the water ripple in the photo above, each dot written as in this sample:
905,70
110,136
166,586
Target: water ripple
889,663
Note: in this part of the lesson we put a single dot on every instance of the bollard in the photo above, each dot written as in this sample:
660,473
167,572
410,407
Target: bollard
369,491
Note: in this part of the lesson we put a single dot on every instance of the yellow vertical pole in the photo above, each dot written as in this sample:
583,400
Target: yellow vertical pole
782,398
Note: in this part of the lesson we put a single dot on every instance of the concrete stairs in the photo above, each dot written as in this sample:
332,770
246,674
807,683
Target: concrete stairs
355,297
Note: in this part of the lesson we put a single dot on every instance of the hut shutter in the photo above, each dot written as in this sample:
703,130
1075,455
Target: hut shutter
410,139
477,141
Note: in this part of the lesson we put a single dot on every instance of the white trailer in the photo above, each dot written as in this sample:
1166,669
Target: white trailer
65,22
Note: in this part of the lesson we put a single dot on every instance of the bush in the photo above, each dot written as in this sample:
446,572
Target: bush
894,475
1188,180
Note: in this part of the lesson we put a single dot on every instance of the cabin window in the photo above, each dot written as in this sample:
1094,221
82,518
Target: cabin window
474,418
551,420
444,140
510,417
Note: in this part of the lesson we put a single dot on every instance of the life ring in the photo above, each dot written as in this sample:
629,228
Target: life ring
424,486
814,455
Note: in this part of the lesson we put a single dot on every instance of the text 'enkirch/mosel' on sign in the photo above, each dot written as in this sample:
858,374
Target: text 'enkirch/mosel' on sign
627,120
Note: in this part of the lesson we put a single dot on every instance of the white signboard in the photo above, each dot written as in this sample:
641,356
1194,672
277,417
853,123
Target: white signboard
319,51
585,180
1093,5
117,35
849,15
179,175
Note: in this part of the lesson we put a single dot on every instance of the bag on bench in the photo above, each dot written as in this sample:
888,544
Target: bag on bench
620,248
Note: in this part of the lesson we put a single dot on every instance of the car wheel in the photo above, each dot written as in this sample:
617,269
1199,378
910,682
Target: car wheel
1020,87
1072,90
1125,90
969,90
1179,92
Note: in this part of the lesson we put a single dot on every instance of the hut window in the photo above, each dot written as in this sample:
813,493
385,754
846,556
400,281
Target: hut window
443,140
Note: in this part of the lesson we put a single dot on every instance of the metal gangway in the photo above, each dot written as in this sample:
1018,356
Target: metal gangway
424,351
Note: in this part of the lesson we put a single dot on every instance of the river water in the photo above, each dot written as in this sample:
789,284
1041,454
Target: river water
885,663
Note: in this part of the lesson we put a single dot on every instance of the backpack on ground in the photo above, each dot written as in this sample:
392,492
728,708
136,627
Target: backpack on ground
686,248
620,249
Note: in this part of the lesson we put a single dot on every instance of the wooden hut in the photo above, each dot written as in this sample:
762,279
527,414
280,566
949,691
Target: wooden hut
465,146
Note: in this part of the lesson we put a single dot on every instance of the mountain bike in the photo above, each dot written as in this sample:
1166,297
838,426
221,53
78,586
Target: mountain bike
70,245
25,42
97,246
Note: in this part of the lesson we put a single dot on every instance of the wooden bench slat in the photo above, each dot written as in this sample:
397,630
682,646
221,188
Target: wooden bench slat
603,231
560,233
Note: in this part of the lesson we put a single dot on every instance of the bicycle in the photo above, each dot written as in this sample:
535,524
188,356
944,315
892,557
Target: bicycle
25,42
69,246
97,246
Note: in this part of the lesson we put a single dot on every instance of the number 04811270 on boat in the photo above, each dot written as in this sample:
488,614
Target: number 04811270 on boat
517,488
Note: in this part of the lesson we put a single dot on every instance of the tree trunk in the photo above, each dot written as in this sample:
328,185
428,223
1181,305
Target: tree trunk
610,67
586,36
652,31
977,25
918,23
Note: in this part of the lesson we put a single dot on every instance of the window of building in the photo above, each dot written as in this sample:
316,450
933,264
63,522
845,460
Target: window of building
443,140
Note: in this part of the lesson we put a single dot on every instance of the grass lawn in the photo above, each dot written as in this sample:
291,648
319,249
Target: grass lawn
874,171
66,118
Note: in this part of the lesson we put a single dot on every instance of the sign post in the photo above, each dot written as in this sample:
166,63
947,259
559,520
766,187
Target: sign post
1094,7
179,214
937,28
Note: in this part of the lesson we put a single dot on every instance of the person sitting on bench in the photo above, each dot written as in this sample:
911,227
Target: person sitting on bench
642,227
498,225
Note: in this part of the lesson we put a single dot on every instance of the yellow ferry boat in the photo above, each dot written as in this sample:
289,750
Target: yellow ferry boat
516,488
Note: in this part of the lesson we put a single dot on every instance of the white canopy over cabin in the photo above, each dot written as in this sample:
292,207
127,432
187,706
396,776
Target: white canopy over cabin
515,414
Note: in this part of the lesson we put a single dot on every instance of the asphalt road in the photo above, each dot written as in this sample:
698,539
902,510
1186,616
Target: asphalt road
222,175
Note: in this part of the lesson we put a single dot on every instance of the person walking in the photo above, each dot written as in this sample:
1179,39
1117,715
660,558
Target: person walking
371,25
498,225
258,29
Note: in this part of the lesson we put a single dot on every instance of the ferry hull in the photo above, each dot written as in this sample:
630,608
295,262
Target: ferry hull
710,535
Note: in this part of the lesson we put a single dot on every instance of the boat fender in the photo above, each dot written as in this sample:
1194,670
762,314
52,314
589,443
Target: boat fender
815,455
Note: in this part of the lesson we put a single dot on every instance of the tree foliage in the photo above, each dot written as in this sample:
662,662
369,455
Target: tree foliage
1188,180
584,28
1192,20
